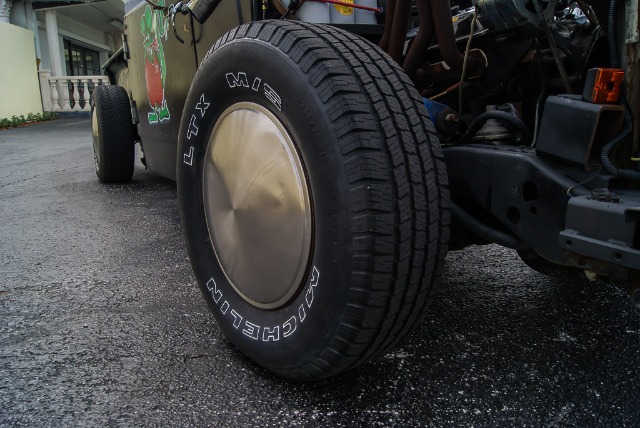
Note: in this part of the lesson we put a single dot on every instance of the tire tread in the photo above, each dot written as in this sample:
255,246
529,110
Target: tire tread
116,141
398,189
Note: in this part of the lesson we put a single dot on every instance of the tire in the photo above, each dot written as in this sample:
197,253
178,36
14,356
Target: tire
113,135
313,197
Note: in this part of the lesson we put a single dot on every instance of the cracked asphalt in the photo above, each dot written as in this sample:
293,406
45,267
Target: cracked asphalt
101,324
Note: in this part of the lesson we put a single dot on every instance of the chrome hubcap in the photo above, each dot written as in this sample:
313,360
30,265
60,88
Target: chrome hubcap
257,205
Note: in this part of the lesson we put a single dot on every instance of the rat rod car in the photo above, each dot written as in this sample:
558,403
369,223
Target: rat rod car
328,153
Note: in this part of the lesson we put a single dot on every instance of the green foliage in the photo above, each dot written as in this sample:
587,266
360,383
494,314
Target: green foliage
21,120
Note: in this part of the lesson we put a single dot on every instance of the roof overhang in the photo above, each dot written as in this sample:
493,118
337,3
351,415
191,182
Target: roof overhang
55,4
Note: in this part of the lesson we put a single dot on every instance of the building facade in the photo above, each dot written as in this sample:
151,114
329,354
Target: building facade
70,38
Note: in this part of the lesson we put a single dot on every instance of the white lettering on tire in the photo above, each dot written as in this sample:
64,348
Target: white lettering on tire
213,289
202,105
237,318
240,80
188,157
272,334
225,307
256,84
192,129
269,333
289,327
251,330
273,96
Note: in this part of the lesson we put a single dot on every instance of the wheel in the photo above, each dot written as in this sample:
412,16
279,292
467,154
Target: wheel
113,137
313,196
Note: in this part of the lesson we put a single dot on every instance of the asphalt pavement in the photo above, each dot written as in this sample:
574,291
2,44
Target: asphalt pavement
101,324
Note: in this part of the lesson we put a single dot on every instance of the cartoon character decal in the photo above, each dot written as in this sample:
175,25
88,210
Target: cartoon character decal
154,27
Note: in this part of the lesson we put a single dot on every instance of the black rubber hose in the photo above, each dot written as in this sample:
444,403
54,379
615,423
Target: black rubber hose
605,159
193,39
605,152
486,232
239,11
498,115
612,36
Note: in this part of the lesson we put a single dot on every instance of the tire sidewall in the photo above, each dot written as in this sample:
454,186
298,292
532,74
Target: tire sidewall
98,143
280,86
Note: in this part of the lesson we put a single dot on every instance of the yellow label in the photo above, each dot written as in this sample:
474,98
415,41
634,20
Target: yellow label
345,10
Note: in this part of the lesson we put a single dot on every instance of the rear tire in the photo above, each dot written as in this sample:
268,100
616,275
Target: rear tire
113,135
313,197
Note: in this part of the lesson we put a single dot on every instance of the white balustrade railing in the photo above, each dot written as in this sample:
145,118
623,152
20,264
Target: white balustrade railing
68,93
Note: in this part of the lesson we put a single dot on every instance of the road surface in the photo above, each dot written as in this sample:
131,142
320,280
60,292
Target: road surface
101,324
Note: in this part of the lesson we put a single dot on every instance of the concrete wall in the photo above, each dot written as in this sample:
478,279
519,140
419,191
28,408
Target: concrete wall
19,87
23,15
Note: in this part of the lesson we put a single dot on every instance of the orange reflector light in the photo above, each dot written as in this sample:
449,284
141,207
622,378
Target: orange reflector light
603,85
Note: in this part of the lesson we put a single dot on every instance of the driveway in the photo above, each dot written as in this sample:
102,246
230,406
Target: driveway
101,324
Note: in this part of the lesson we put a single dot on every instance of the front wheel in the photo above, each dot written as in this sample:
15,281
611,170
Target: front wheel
313,197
